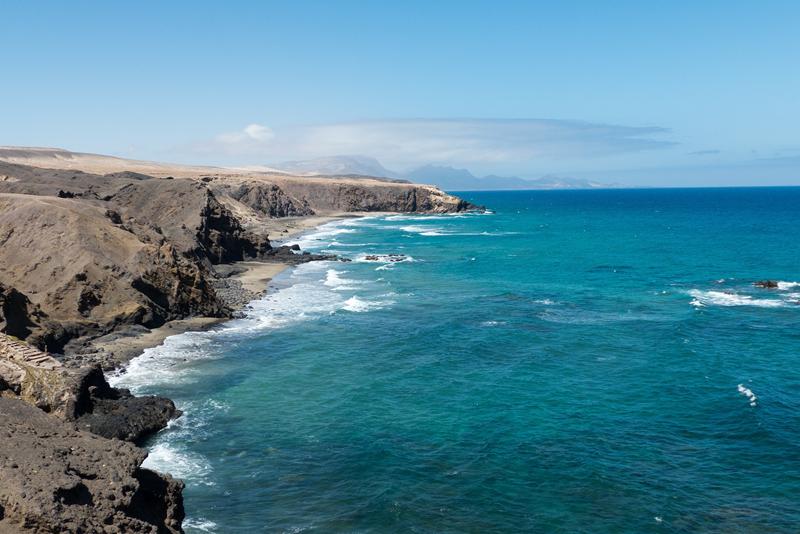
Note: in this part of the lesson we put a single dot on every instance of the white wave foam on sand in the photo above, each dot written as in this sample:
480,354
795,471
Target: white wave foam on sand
747,392
166,363
313,290
363,220
722,298
323,236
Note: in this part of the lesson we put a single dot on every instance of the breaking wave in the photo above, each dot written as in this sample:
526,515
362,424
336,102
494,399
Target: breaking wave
722,298
747,392
785,286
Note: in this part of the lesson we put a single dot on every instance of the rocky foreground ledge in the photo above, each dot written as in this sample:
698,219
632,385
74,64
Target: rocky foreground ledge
63,464
93,247
59,479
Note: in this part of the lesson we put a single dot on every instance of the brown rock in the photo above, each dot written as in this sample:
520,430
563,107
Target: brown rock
58,479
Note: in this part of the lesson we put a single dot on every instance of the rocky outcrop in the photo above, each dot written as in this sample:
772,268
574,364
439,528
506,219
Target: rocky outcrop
116,414
20,318
330,195
79,395
59,472
222,237
266,199
766,284
56,478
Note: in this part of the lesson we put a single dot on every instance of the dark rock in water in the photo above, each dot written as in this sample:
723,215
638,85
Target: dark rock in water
58,479
116,413
127,417
767,284
390,258
84,396
287,254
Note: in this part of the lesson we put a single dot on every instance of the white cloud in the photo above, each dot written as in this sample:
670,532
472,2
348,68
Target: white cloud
411,142
252,139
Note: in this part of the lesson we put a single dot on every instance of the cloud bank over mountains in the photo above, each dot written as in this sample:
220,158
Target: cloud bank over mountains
597,153
409,143
445,177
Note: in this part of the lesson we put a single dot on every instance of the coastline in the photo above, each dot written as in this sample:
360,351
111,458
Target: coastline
127,260
123,345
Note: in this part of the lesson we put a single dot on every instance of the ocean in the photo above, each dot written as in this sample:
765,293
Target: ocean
571,361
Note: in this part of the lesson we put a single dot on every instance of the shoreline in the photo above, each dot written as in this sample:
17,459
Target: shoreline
121,346
126,343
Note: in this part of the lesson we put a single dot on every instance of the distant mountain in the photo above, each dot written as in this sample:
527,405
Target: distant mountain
463,180
453,179
552,181
447,178
338,166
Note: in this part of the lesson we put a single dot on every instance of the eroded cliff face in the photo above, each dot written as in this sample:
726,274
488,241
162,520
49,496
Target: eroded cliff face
348,195
264,198
86,272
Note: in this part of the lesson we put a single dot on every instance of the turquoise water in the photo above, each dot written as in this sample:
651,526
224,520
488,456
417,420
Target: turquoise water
592,361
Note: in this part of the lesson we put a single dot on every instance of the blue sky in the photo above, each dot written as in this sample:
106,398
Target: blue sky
644,93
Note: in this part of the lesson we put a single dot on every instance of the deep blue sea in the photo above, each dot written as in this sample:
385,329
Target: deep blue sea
573,361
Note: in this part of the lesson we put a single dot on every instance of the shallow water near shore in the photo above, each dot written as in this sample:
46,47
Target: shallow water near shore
577,361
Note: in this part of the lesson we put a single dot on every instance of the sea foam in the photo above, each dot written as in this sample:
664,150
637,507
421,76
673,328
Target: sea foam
747,392
200,524
722,298
335,280
428,231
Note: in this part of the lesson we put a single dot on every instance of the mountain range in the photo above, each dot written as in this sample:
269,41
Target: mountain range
444,177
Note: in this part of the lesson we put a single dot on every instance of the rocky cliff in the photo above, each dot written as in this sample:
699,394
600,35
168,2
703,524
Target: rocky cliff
60,472
56,478
89,252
